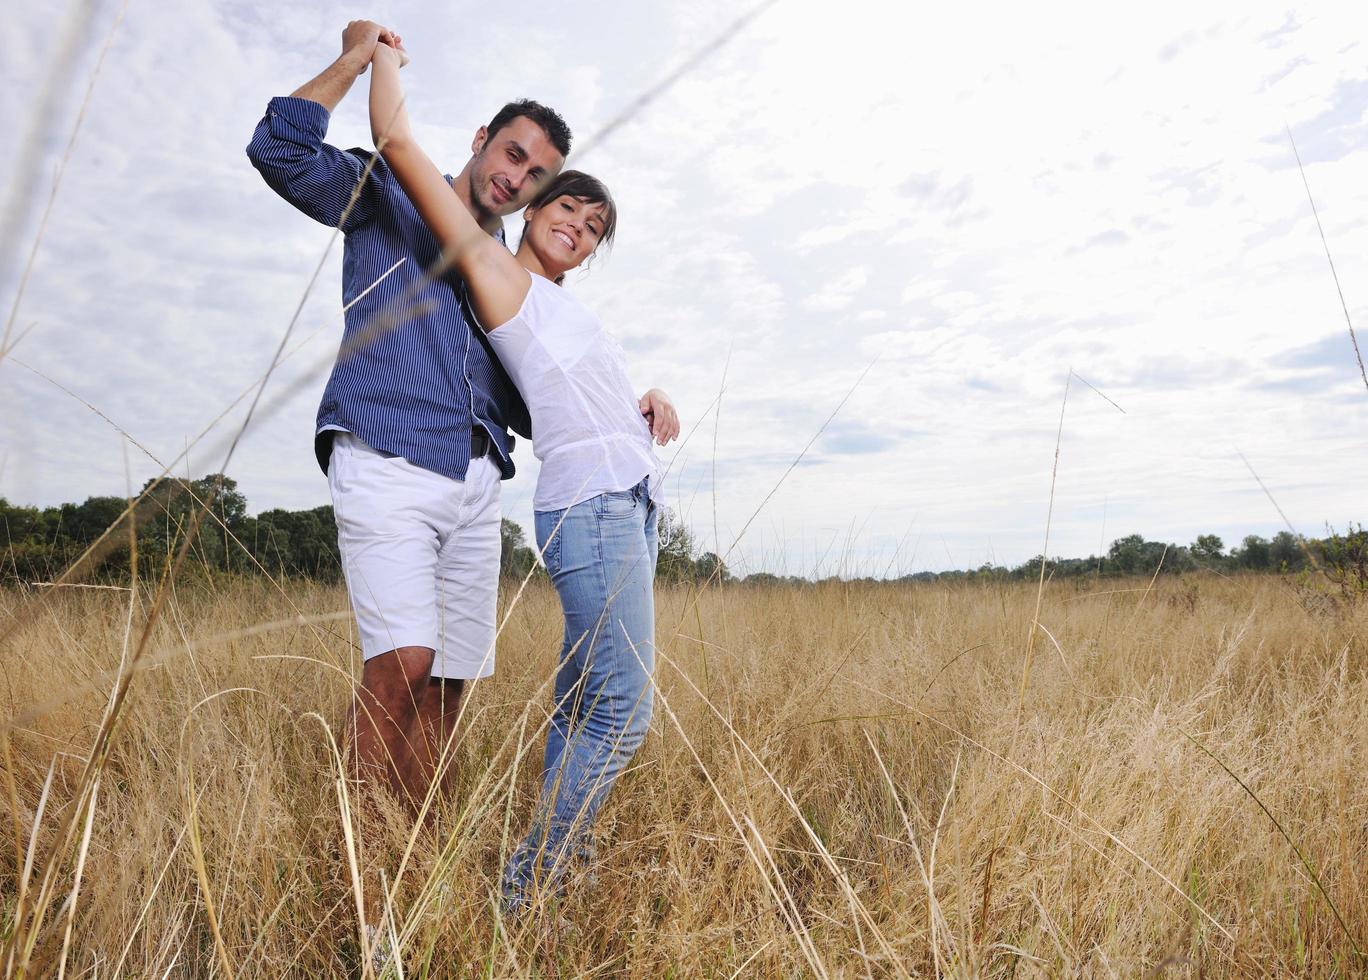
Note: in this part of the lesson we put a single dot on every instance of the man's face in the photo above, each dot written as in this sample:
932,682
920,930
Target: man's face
510,168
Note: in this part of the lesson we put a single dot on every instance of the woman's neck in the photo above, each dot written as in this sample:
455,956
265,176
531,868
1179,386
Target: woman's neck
529,261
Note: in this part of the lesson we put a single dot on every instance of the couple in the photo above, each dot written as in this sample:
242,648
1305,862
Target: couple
413,435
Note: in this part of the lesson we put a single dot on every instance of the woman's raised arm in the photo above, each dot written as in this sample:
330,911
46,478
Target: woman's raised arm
498,283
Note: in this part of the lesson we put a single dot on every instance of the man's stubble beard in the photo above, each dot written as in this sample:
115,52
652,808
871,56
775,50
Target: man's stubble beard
484,210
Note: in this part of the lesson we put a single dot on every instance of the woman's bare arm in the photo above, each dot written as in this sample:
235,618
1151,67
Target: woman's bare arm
498,283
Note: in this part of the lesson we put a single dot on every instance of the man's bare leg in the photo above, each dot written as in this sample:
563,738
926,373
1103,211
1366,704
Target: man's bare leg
437,716
390,744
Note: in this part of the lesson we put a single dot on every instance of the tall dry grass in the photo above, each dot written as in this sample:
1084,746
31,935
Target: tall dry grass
841,781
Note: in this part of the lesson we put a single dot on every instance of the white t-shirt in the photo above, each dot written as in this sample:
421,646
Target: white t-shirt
587,428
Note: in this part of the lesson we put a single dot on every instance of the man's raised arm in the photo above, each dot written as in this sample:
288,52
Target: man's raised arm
331,85
288,149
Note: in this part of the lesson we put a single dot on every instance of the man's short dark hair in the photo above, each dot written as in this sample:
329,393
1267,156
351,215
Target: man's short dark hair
545,117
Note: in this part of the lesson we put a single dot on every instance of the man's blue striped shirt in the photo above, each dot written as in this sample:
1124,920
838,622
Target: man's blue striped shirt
414,372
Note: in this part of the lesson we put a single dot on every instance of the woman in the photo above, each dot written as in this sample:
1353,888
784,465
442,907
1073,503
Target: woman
595,519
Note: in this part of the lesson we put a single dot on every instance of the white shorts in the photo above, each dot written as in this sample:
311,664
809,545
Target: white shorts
420,552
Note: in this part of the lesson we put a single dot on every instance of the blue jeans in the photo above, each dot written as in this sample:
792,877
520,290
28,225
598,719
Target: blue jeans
601,556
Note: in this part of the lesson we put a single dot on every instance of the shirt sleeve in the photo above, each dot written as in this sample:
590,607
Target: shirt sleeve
318,179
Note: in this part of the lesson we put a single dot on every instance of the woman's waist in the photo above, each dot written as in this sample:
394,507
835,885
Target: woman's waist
578,449
594,468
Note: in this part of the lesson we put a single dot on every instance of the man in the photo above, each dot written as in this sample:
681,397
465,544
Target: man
413,426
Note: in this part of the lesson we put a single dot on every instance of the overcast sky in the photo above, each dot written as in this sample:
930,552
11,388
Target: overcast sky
967,201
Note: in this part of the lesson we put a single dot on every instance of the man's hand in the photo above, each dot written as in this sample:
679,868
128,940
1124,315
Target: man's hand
660,412
359,41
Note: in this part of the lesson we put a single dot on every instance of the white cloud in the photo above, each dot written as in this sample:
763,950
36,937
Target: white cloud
838,293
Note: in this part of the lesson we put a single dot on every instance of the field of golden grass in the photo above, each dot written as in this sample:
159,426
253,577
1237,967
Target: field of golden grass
842,780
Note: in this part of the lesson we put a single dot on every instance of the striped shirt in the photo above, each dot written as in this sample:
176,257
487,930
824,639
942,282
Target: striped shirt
414,373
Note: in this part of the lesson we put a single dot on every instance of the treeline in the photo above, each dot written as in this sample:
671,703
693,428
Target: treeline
38,544
1341,557
1285,553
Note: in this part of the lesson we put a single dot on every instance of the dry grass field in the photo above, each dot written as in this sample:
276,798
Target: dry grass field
841,781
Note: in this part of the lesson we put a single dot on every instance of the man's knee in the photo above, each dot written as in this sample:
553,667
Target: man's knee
398,679
444,695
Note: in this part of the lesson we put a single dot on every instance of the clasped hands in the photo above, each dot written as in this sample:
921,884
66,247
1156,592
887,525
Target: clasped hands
363,38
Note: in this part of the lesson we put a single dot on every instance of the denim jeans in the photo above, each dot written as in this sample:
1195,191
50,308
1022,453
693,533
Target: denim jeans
601,556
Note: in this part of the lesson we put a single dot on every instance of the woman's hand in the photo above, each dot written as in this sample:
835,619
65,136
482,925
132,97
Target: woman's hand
359,40
660,413
391,47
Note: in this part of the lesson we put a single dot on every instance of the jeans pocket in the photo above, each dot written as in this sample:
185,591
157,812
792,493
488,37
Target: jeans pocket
550,549
616,505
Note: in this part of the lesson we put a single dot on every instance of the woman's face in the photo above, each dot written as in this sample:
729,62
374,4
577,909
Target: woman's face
565,232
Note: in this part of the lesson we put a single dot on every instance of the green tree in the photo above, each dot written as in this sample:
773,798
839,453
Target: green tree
516,559
1254,553
170,509
1285,552
293,542
761,578
709,565
83,523
675,561
1126,556
28,542
1133,555
1208,548
1346,560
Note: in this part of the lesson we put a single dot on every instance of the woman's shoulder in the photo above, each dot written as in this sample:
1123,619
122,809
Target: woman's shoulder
553,291
555,300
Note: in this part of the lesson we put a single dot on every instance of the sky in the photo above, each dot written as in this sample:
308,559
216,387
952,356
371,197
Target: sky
902,270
